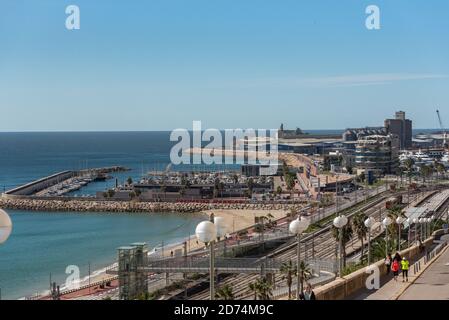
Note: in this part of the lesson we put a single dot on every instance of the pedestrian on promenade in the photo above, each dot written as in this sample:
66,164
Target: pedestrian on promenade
395,269
405,265
307,294
387,263
397,257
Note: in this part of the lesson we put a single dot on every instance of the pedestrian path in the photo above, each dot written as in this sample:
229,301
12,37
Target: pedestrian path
391,289
433,283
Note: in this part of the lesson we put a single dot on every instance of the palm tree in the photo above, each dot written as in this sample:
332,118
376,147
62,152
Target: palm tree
289,271
394,213
253,287
304,274
426,171
409,163
250,184
264,288
359,229
347,235
225,293
279,190
440,168
378,249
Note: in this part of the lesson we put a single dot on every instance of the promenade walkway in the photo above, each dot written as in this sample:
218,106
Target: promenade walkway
393,290
433,283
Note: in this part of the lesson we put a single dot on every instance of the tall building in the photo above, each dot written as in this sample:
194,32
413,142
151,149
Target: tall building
401,127
377,153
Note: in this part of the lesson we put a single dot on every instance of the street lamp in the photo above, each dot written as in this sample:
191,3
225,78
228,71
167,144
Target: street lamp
421,222
5,226
386,222
429,222
416,221
206,232
409,222
432,223
339,223
399,221
369,224
297,227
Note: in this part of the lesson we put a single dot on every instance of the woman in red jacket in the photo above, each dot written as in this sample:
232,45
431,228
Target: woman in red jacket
395,269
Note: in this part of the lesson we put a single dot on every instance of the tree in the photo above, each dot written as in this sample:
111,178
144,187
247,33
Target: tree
304,274
359,228
289,271
426,171
262,289
129,181
225,293
250,184
349,169
279,190
221,187
253,287
394,213
440,168
347,235
409,163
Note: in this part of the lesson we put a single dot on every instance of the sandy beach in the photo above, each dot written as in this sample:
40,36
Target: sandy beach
235,219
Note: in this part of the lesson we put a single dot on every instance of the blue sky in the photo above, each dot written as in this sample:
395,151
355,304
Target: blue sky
160,64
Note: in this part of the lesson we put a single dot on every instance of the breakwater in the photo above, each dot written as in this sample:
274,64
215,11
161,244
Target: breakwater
132,206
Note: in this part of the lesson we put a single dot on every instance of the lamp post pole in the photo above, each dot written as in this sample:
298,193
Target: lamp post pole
297,227
208,232
416,221
212,270
298,263
399,221
369,224
340,222
409,223
386,222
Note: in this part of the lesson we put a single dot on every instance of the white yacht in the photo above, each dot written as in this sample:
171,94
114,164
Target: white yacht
445,159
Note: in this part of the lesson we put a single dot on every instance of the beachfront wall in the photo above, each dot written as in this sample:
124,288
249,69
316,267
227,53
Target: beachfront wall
345,287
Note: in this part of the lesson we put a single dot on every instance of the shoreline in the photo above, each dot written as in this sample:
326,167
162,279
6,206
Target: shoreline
235,220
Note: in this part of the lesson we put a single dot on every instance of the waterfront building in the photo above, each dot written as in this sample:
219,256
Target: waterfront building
401,127
378,154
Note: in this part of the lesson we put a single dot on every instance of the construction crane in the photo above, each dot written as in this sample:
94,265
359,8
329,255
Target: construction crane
445,145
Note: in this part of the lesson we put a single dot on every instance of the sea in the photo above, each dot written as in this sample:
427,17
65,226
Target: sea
44,245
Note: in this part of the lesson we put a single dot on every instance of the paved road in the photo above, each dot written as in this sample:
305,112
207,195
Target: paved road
433,284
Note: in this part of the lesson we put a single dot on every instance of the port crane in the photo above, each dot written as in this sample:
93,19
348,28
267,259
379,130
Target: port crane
445,145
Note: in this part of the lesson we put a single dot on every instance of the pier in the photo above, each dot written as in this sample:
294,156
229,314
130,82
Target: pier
59,184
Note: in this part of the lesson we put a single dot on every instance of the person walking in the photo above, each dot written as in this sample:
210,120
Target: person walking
397,257
405,265
387,263
395,269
